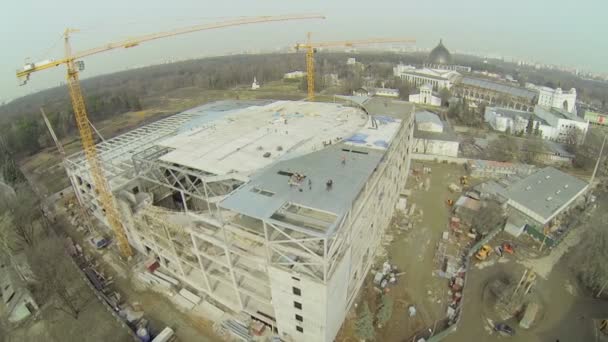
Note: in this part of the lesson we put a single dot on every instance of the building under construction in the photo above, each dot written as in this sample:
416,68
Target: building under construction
271,208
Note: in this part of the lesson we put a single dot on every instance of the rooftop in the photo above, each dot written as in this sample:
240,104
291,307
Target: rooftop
295,191
312,191
513,114
247,139
559,113
426,116
546,190
499,87
543,192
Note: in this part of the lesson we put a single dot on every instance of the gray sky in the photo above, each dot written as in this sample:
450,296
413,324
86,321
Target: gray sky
552,31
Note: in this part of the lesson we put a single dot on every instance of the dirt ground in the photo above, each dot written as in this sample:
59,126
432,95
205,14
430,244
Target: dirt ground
568,311
413,252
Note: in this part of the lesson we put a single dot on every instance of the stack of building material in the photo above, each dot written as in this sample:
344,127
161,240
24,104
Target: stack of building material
237,329
152,280
186,299
166,278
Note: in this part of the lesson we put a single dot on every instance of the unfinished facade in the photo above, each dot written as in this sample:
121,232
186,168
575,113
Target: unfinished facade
274,209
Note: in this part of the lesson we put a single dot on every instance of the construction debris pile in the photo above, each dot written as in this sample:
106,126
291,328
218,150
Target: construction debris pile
128,314
386,276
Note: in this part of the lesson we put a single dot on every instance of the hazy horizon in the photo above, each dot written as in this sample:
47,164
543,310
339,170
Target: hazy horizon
541,31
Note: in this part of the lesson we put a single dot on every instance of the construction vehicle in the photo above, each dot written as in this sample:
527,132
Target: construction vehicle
508,247
483,252
464,180
504,329
75,64
99,241
311,49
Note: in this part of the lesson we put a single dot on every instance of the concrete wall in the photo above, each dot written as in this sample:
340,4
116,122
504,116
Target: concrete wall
436,147
420,156
425,99
313,299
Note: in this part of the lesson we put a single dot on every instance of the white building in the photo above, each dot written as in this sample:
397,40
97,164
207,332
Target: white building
459,68
386,92
294,75
563,122
18,302
438,78
553,124
371,91
255,84
351,61
432,136
273,210
425,96
515,121
557,98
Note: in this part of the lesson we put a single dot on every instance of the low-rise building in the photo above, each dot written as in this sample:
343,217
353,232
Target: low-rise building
562,122
426,96
17,299
494,169
596,118
432,136
371,91
553,124
537,200
515,121
387,92
294,75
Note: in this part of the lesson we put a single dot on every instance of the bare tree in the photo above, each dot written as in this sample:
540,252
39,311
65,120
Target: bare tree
532,148
503,149
57,279
490,216
364,326
385,311
27,217
592,255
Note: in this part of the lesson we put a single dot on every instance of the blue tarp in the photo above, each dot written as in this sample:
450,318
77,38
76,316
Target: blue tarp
358,138
384,119
381,143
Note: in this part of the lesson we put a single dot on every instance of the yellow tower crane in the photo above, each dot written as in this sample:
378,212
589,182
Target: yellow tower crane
311,48
74,64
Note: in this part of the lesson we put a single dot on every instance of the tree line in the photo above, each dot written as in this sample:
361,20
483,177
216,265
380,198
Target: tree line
132,90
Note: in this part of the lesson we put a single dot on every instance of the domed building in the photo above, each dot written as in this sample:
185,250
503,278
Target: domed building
440,55
438,71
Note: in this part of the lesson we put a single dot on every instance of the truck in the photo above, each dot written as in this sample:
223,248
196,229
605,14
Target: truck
99,241
483,252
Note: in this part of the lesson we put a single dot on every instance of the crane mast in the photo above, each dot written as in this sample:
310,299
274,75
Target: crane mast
73,64
311,49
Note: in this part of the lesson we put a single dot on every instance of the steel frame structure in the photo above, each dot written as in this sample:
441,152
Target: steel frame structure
227,255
